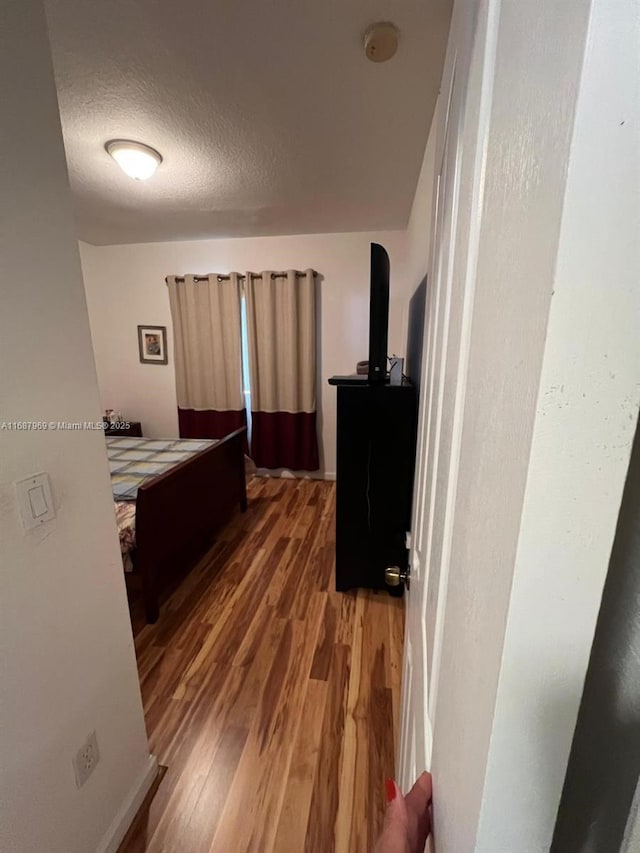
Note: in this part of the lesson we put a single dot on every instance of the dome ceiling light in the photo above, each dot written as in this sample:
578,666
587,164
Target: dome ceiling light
135,159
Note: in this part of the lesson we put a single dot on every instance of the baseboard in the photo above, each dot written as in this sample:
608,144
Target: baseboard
125,816
286,474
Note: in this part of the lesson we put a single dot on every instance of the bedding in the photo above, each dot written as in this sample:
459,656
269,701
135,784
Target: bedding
133,461
126,521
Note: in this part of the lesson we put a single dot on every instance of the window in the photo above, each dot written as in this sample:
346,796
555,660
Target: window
246,385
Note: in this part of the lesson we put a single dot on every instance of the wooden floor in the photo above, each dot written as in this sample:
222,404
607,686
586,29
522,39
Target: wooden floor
272,699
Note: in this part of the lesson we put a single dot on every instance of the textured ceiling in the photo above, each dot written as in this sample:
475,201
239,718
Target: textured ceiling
268,115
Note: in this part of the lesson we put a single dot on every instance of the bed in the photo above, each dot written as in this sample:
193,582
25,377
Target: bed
182,489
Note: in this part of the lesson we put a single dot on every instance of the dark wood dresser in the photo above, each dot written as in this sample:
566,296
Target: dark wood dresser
376,440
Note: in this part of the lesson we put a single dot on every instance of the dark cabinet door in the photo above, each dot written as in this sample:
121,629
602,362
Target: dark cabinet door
353,504
375,463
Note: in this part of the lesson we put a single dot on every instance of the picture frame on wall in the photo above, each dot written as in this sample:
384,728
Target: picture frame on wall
152,344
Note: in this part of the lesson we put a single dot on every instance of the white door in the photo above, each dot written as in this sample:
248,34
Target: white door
462,117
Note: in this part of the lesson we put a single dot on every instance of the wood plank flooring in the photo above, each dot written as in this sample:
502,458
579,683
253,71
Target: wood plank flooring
272,699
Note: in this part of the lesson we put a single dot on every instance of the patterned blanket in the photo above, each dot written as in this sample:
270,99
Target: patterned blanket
133,461
126,521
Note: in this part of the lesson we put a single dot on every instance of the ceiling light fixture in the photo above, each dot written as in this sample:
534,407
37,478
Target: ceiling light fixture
135,159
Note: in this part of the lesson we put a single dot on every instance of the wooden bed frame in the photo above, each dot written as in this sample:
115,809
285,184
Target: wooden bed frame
177,512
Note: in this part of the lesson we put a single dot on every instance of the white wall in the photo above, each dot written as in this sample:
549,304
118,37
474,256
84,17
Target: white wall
585,418
125,287
523,65
552,393
420,227
66,650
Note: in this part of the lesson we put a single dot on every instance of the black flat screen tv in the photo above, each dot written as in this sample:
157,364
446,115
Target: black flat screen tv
415,332
378,314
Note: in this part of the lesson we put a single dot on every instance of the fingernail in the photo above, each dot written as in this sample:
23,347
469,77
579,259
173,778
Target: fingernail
390,790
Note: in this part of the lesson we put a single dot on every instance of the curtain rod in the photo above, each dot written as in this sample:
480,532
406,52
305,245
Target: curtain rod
179,278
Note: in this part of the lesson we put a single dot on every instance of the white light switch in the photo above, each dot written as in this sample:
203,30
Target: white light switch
35,501
38,501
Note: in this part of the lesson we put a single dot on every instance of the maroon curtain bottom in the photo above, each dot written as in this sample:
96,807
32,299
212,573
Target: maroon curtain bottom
284,440
209,424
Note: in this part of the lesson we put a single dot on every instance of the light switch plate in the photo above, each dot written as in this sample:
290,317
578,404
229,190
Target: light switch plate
35,501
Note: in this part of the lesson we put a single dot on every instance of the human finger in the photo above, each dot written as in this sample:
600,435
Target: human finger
394,833
419,797
417,803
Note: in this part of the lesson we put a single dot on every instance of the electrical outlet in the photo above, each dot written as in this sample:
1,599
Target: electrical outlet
86,759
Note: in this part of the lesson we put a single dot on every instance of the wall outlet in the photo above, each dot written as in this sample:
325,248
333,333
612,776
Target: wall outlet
86,759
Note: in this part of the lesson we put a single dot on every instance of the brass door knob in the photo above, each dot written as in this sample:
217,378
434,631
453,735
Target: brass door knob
394,576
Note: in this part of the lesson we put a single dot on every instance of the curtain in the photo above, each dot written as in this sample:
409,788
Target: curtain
281,330
207,354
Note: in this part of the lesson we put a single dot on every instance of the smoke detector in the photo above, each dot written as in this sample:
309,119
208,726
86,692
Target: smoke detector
381,42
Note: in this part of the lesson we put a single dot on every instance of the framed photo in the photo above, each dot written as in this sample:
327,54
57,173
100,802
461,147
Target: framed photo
152,343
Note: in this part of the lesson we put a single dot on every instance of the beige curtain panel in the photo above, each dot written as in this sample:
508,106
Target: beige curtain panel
207,354
281,325
281,331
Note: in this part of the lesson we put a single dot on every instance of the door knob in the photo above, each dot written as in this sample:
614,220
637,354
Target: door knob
394,576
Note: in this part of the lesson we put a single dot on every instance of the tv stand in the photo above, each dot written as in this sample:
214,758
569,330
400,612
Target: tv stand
376,444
